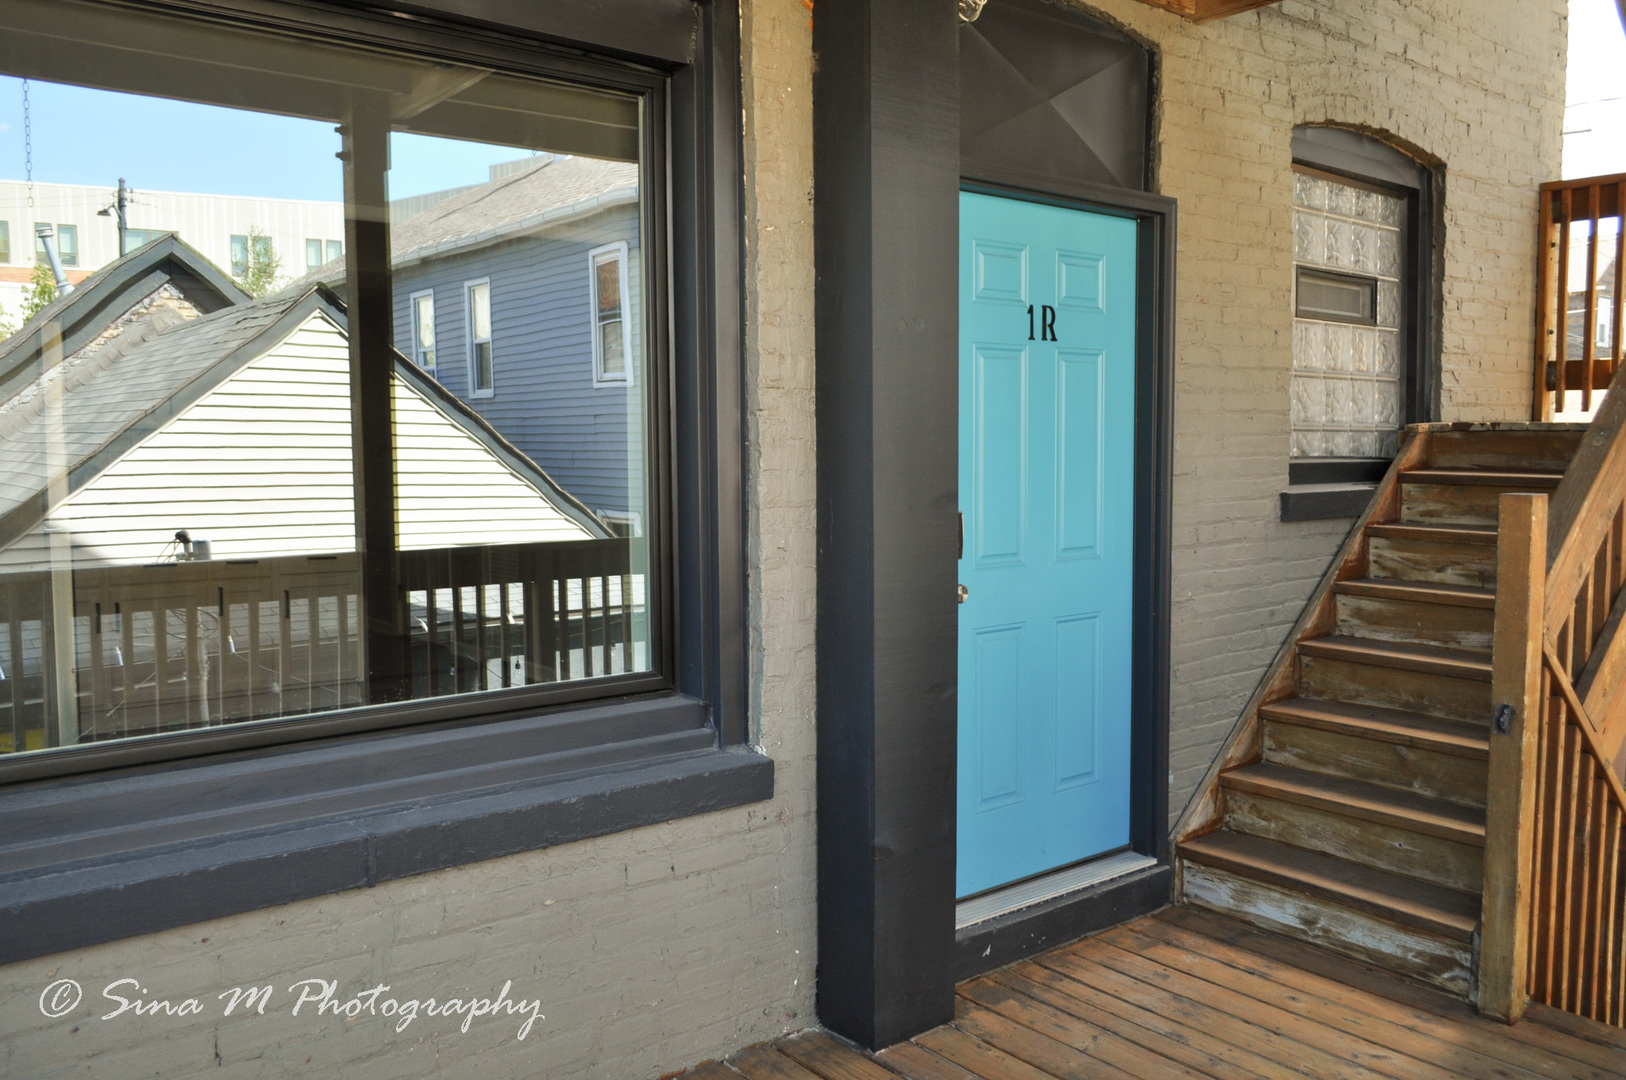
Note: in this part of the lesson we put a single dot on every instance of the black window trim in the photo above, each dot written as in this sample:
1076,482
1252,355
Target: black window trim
524,773
1341,486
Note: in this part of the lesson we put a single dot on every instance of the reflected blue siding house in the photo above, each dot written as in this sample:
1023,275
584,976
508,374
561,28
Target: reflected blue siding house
531,284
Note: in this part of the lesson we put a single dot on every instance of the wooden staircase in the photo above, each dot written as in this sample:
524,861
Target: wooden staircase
1348,808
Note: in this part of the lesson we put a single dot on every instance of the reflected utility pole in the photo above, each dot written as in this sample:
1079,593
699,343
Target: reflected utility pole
121,205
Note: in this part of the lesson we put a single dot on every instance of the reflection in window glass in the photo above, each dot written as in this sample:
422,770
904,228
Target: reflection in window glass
423,330
479,320
610,347
67,244
184,529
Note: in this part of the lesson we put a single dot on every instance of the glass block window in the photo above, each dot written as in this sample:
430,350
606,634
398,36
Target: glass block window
1347,372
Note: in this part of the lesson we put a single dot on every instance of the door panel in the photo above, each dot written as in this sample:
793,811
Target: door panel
1047,383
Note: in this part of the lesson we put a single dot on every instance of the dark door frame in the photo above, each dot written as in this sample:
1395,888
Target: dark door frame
887,183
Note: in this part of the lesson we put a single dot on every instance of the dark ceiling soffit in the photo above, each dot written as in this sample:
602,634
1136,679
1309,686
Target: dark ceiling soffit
662,30
1206,10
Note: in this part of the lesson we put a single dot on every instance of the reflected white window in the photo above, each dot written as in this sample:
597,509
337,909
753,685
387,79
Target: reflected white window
313,254
612,347
1348,362
477,296
423,330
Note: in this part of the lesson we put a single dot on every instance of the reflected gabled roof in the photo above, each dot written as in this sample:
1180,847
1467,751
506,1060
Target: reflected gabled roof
78,417
100,300
554,189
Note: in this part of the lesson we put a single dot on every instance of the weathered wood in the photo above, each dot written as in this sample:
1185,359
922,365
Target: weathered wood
1567,1056
1448,556
1459,503
988,1062
1110,970
1415,1055
1337,679
1388,725
1510,808
1438,961
1093,1055
1431,910
1243,744
1602,685
1158,1033
1547,448
1419,620
1408,763
1385,847
1363,801
1584,504
821,1054
917,1063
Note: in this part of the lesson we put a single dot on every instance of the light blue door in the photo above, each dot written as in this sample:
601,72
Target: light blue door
1047,403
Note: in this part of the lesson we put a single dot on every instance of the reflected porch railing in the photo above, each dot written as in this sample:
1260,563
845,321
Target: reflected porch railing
198,644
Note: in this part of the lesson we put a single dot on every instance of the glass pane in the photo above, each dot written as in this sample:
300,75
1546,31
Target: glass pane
612,349
531,221
609,289
180,552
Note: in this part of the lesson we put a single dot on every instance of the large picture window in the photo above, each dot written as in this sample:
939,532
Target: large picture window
253,496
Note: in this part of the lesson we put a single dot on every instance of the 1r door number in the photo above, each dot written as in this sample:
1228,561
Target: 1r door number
1047,323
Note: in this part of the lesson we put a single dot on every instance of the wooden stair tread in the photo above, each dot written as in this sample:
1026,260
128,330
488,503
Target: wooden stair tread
1423,592
1543,480
1432,908
1384,725
1359,799
1445,534
1429,659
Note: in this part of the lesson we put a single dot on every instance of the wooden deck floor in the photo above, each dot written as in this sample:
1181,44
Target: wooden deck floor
1186,996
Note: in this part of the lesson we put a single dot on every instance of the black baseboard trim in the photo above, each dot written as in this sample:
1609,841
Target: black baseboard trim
1008,938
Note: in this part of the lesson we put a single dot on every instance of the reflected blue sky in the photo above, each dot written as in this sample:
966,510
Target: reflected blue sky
83,136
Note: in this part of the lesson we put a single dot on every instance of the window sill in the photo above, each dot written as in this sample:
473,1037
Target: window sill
121,854
1314,502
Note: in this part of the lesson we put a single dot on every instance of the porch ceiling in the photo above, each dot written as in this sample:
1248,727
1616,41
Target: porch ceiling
1204,10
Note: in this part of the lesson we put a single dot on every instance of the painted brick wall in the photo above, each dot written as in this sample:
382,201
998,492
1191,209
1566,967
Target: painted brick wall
1477,85
651,949
664,946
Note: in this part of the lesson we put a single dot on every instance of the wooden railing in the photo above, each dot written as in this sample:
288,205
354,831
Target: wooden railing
1554,913
104,653
1569,354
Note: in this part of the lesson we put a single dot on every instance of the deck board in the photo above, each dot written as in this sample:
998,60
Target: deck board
1186,995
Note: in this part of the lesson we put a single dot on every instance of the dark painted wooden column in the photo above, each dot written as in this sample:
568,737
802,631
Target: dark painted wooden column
886,146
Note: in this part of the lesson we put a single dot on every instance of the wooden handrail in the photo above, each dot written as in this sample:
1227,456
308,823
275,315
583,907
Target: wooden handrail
1553,922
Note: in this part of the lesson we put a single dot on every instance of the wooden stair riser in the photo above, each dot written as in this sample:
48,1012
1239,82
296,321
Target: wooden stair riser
1450,504
1441,696
1433,561
1370,843
1515,451
1392,765
1439,961
1422,623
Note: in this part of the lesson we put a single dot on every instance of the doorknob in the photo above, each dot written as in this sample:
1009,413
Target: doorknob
963,592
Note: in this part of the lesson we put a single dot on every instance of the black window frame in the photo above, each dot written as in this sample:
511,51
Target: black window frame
401,788
1328,487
